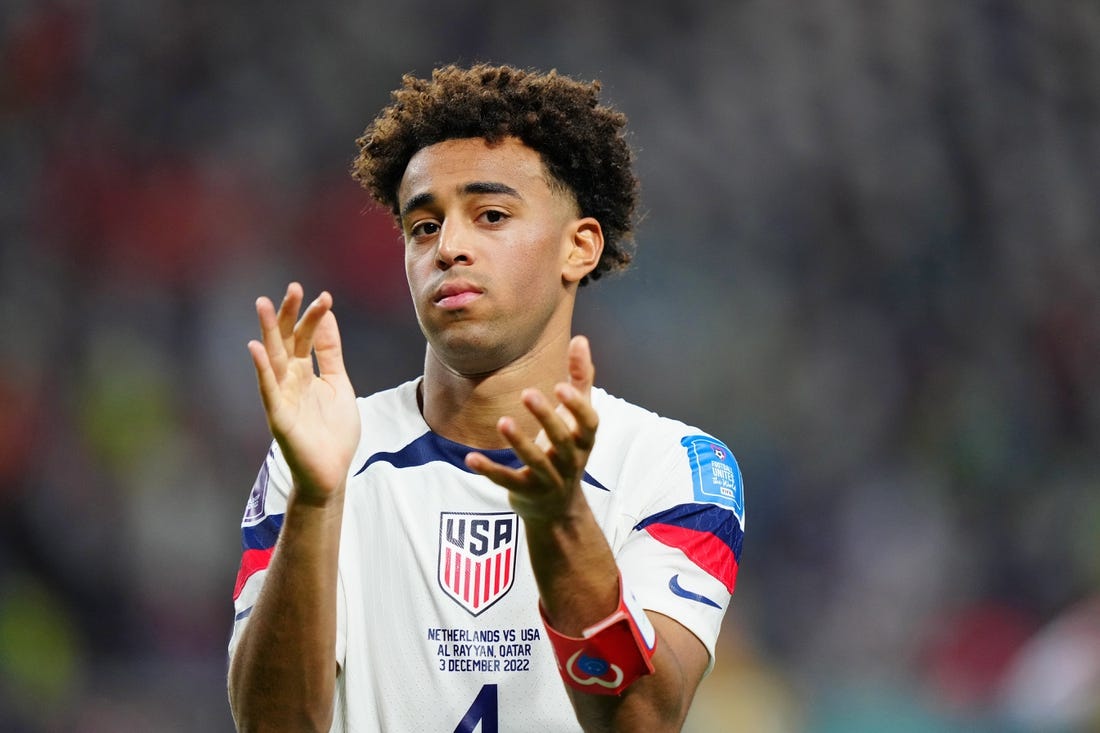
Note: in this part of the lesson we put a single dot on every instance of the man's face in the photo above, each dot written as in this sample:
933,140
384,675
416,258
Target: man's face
487,240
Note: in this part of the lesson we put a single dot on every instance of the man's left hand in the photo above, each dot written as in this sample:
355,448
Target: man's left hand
547,487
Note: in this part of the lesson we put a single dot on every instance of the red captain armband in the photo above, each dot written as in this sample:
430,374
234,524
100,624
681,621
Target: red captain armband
610,654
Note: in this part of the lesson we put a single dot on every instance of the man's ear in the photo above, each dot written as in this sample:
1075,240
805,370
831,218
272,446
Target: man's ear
585,239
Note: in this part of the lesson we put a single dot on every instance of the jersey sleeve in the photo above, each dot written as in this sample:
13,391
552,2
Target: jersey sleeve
260,527
683,546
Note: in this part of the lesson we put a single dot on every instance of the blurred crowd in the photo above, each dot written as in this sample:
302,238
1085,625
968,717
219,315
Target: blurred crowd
869,261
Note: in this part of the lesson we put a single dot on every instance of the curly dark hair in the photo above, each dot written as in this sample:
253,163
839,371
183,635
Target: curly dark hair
580,141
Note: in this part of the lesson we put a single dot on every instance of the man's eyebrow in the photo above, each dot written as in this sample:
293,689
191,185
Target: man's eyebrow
472,188
420,199
490,187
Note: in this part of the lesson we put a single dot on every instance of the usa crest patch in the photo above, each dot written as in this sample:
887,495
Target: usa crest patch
477,557
715,473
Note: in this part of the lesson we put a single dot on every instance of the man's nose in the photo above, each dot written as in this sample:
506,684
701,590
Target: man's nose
452,245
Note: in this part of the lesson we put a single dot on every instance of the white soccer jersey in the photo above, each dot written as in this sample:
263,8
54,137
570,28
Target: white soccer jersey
438,622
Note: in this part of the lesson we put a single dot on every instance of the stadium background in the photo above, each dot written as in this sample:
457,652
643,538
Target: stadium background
870,262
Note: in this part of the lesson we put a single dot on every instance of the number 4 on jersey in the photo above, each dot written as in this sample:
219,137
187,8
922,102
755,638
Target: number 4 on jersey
483,710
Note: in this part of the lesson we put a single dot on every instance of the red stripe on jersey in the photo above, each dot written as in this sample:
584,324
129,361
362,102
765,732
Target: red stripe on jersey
252,561
466,580
488,577
477,585
703,548
456,573
498,561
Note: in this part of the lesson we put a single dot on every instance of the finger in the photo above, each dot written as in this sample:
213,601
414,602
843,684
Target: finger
582,372
513,479
529,453
265,376
558,433
307,325
273,341
288,313
327,346
585,419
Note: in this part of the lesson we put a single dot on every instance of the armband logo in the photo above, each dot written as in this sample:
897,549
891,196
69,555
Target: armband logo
587,670
714,473
477,557
610,654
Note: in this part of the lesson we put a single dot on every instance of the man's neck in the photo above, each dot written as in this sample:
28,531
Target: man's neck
466,409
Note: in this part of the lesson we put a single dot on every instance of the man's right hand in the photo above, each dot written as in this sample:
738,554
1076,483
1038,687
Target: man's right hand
312,415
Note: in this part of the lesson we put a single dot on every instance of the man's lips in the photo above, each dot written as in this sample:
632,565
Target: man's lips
456,295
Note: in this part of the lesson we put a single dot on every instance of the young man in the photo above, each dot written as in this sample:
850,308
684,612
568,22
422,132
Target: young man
497,545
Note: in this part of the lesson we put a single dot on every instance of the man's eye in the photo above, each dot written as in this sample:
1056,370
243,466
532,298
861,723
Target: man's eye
424,228
493,216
